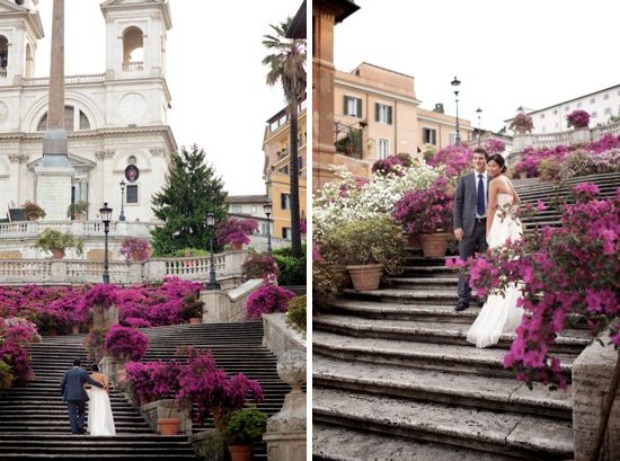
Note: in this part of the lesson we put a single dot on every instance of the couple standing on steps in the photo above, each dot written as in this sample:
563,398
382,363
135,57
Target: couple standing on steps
75,394
480,197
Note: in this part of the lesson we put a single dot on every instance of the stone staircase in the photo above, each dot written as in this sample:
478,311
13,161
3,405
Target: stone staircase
394,378
34,422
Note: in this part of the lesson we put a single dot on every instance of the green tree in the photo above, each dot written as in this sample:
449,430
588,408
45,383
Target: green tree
192,190
287,65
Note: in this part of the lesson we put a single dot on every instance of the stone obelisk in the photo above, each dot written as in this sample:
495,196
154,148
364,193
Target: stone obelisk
54,172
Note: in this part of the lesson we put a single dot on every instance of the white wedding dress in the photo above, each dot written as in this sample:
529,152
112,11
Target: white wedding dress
100,419
500,313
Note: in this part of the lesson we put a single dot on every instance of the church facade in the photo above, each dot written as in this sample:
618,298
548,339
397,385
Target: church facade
116,122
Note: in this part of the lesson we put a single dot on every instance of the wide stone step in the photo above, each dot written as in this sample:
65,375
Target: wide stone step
467,359
462,389
437,332
427,271
523,436
424,283
402,311
337,443
419,296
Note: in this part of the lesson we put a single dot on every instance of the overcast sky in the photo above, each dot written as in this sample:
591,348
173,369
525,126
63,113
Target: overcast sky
506,54
219,97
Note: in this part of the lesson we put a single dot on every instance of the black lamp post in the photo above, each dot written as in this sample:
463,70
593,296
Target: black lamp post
212,283
479,111
106,214
267,207
121,217
455,84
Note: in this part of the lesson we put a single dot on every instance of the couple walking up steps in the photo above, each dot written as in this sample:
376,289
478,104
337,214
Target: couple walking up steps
75,394
478,224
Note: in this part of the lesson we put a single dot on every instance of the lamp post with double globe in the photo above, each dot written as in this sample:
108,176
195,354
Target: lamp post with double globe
455,84
106,216
210,222
268,208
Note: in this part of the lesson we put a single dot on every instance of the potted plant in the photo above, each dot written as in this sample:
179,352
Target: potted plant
267,299
522,123
126,343
235,232
135,249
244,428
367,248
76,210
57,242
426,215
259,265
33,211
578,119
192,309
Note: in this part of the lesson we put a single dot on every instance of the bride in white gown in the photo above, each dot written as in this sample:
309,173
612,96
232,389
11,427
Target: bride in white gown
500,313
100,419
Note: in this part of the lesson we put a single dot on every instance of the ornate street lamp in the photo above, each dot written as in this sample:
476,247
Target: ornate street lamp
212,283
455,84
479,111
106,215
267,207
121,217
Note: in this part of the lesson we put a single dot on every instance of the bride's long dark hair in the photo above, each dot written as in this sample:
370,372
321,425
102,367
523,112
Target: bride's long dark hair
497,158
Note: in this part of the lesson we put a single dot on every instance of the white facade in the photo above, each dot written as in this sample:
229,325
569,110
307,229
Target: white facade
113,120
601,105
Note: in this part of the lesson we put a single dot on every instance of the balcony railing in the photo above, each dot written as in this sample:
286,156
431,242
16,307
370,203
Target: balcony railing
133,66
72,80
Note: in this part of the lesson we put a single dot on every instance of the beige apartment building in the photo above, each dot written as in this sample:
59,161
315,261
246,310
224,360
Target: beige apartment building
377,114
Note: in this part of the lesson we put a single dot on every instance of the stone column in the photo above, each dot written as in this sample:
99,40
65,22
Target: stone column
54,172
592,373
286,430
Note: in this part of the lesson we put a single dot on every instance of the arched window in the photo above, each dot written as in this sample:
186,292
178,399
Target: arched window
71,123
133,49
4,55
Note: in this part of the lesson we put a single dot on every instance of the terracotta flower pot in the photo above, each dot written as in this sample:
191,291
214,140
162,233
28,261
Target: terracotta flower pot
195,321
240,452
236,246
168,426
58,254
435,245
366,277
75,329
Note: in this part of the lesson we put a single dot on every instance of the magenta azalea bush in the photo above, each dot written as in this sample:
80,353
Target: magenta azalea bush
266,300
426,211
578,119
388,165
16,336
235,230
126,342
136,249
494,146
259,265
153,381
457,159
522,123
564,273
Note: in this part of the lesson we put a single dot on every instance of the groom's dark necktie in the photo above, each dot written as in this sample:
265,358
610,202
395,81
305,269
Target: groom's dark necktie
480,209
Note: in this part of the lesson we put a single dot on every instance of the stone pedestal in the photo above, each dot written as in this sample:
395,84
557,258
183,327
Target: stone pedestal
581,135
109,366
166,408
286,430
104,318
592,373
53,192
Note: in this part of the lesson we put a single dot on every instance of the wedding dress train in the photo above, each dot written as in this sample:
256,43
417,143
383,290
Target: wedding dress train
100,419
500,313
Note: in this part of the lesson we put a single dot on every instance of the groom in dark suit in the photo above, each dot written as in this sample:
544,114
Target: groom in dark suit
74,394
469,219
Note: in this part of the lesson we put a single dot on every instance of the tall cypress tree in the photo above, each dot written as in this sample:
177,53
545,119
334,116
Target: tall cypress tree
192,190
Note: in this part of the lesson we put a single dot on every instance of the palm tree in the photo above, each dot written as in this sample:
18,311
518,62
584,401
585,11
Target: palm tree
288,65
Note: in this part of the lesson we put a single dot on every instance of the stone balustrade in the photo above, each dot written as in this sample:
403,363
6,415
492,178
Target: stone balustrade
521,141
74,271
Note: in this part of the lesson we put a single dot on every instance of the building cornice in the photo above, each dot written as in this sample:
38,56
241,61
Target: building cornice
376,91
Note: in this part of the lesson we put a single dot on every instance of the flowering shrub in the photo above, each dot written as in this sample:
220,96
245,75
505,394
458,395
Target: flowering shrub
193,307
578,119
392,164
494,146
425,211
522,123
16,335
457,159
206,390
135,249
126,342
563,272
19,331
235,230
102,295
94,344
16,357
153,380
258,265
267,299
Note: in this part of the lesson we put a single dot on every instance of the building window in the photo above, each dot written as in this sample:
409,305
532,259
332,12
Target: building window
352,106
253,209
608,111
594,114
592,101
542,116
555,111
430,136
285,201
383,113
566,108
132,194
606,96
71,123
286,233
264,227
236,208
579,104
384,148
